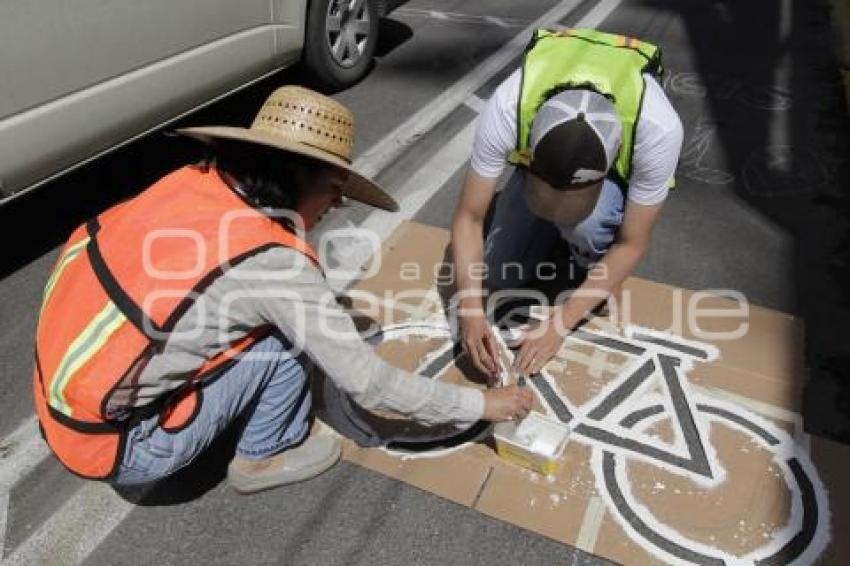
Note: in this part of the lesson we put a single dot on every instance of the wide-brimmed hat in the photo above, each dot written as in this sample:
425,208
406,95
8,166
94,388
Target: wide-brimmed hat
302,121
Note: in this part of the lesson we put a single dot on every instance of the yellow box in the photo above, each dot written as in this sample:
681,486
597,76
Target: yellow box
537,443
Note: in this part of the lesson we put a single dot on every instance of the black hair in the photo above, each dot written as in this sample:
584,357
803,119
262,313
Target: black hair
265,176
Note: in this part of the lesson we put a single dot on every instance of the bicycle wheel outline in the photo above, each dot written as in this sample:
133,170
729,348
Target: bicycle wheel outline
810,506
440,363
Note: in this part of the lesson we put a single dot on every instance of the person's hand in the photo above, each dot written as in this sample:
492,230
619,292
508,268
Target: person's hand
537,345
507,403
480,344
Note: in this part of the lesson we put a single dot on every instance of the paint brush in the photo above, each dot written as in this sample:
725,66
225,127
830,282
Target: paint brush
520,382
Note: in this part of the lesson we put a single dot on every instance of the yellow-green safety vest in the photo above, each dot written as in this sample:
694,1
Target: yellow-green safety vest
612,65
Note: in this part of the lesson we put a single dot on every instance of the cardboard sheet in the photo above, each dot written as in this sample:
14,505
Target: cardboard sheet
685,447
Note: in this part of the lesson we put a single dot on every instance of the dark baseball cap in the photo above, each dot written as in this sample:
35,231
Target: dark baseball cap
575,137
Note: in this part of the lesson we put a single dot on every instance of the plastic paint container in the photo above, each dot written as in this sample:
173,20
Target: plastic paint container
537,442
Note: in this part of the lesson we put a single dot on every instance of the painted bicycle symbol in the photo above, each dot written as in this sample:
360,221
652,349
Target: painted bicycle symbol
615,423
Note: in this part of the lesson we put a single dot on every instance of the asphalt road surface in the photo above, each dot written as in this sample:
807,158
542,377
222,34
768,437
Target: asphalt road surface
758,209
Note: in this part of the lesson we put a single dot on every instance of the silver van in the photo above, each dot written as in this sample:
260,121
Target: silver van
80,78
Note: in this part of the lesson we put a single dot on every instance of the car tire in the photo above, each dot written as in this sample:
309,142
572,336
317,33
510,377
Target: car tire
340,41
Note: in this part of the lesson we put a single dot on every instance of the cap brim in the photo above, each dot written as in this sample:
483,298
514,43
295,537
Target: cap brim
357,187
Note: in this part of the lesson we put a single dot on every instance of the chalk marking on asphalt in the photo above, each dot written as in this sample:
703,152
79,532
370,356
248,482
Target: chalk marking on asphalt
591,524
75,530
81,537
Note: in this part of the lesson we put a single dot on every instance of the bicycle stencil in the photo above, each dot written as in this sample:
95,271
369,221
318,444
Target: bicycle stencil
648,418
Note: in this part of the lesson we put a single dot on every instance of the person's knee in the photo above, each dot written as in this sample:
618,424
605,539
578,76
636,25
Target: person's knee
285,358
503,275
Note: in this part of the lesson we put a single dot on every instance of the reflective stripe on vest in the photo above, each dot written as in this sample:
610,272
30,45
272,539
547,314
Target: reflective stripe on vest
609,64
117,291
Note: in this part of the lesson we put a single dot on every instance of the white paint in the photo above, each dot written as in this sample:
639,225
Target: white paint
787,447
430,454
760,407
774,542
591,524
429,358
435,326
710,349
611,423
544,437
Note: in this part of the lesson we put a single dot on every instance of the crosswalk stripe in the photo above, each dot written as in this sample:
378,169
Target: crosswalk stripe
75,529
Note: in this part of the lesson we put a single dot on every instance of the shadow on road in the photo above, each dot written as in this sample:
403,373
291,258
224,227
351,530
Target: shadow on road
766,72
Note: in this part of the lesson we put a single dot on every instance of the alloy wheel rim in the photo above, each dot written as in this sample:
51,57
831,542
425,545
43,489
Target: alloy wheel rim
348,29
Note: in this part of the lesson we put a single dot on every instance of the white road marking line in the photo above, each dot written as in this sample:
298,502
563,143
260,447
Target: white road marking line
591,524
462,18
22,451
64,539
4,505
498,21
75,530
475,103
411,196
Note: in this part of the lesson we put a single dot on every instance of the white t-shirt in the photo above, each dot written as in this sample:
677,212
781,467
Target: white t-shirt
658,140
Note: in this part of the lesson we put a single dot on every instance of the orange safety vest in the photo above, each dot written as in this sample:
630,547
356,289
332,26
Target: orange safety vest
120,285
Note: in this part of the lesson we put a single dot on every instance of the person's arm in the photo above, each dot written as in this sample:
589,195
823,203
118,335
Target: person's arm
468,250
632,242
495,138
621,260
304,308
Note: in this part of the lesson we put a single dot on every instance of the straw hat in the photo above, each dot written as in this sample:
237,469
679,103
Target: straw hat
302,121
